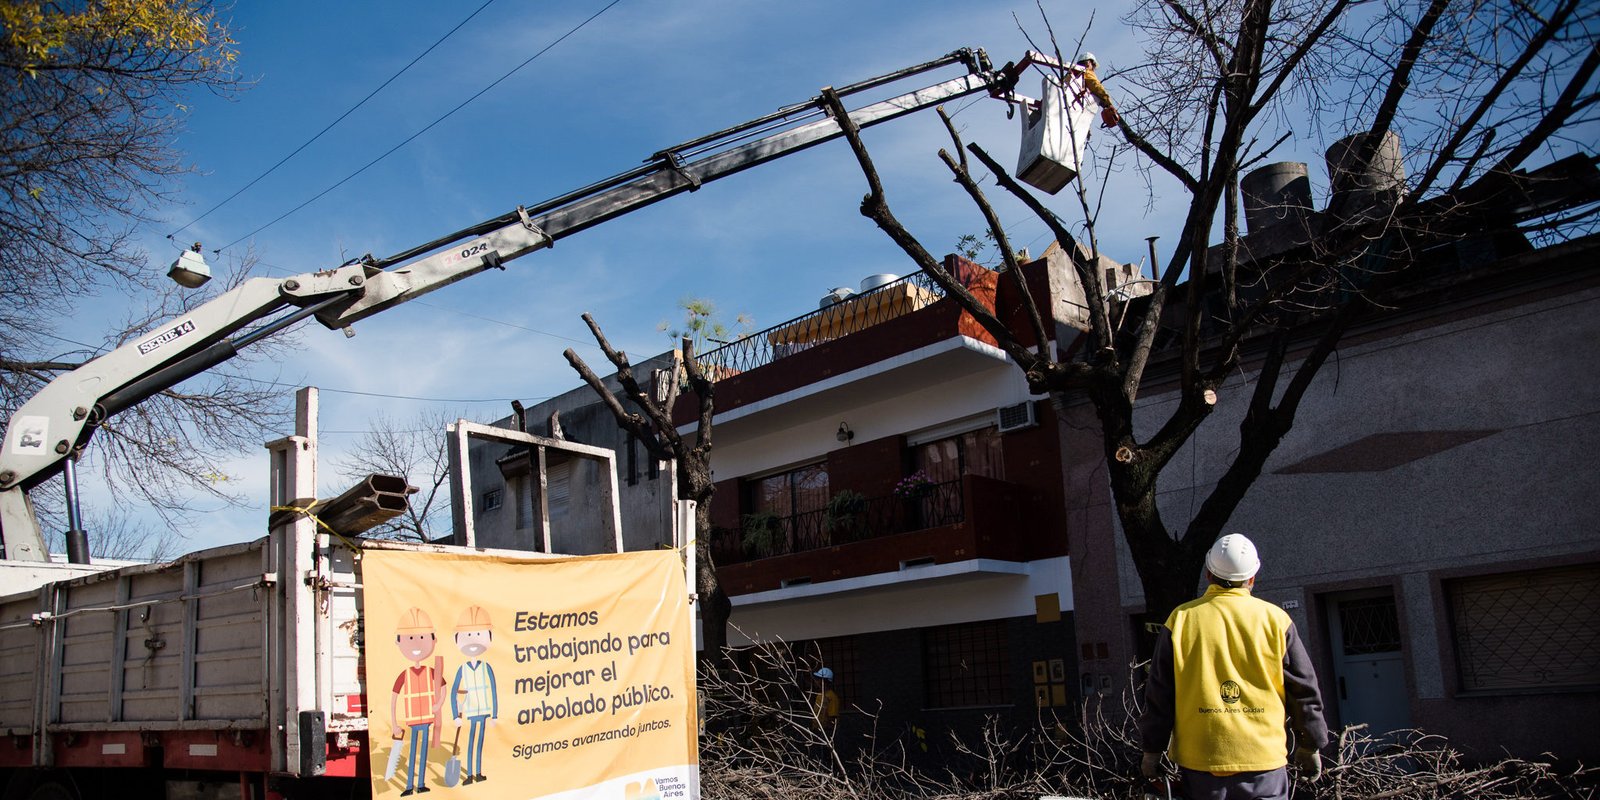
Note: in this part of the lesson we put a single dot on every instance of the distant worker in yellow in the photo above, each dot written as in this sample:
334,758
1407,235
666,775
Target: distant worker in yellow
473,697
1108,111
824,700
1229,679
418,694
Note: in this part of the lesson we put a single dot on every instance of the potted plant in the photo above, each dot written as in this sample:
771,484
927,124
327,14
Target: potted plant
915,486
762,532
843,515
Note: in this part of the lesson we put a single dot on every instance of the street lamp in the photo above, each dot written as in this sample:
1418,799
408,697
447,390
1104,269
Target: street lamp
190,270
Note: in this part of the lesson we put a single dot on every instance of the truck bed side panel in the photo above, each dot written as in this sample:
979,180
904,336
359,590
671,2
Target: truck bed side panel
19,663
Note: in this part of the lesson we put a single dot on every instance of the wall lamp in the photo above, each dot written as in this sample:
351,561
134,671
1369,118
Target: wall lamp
845,434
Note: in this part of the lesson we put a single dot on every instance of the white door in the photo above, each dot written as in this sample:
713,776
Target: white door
1368,664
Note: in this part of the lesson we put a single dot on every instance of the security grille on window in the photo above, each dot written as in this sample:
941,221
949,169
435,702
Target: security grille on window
965,665
1538,629
491,499
1369,626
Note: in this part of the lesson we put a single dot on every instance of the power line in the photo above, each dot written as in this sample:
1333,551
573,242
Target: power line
423,399
425,129
330,125
282,385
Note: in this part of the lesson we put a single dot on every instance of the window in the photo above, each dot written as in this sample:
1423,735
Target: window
1370,625
945,461
492,499
797,498
965,665
971,453
1538,629
522,492
558,480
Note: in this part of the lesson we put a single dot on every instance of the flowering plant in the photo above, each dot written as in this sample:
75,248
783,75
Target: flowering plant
917,484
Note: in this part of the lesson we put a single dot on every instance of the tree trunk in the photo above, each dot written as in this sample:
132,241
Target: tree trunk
715,607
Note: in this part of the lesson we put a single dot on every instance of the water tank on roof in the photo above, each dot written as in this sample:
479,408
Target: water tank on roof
1385,174
838,295
874,281
1275,193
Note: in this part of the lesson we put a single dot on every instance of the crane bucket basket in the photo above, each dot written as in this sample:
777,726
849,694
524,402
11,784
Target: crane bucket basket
1055,134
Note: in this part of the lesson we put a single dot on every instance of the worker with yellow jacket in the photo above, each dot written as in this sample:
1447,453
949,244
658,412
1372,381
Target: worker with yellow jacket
1229,671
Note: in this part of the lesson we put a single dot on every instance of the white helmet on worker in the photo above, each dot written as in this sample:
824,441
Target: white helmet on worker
824,673
1233,558
1088,58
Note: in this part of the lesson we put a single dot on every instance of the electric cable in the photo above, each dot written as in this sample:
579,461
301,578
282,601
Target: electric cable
341,118
282,385
425,129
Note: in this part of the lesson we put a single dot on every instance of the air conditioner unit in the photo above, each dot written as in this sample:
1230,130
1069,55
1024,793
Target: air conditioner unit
1015,418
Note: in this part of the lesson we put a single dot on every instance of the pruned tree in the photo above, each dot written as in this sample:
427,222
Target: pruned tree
416,450
93,99
652,426
1479,88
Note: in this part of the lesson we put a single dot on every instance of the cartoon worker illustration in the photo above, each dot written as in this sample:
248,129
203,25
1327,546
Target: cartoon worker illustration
473,697
418,694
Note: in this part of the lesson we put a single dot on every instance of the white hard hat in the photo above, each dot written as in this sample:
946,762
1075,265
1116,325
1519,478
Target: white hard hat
1087,56
1233,558
824,673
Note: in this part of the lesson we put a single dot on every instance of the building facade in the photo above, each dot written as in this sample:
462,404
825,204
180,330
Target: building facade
890,503
1429,523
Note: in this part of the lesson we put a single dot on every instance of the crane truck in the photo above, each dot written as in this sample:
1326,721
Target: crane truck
237,671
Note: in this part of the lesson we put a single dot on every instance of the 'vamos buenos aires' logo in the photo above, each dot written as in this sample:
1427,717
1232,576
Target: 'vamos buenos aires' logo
642,791
664,786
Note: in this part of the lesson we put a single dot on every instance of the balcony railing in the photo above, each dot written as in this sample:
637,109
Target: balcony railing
874,517
857,313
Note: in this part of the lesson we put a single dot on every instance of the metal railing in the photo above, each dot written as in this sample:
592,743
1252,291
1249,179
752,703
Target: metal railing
855,313
768,536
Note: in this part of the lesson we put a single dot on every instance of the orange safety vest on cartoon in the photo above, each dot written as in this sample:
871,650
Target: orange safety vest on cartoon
417,687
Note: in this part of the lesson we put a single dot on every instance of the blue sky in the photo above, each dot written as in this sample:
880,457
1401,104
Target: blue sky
641,77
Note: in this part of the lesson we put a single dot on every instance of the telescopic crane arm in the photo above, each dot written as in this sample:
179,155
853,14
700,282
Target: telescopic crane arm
54,425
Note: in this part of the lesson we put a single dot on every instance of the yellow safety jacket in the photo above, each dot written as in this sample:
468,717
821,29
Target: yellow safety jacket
1228,652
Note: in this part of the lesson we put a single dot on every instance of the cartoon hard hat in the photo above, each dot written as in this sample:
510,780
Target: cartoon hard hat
414,621
474,619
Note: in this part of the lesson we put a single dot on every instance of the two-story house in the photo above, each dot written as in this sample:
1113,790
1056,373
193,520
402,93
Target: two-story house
890,501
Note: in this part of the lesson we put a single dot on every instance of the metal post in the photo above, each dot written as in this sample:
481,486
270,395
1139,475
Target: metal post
77,537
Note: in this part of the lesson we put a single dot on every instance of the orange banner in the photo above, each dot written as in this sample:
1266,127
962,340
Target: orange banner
493,677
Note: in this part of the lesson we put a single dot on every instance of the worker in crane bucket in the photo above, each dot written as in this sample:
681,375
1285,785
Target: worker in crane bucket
1108,111
1228,675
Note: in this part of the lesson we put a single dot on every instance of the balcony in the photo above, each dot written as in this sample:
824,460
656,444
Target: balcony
897,299
970,518
897,338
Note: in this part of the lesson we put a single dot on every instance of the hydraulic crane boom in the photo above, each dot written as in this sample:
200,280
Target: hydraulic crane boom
53,426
